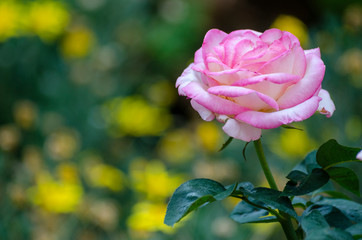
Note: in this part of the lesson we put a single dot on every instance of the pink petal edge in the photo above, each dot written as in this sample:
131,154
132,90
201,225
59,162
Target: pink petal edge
265,120
240,130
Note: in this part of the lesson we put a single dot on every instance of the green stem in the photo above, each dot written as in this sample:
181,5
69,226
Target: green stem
287,222
264,164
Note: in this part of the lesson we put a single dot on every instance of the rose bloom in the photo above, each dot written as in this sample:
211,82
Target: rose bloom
252,81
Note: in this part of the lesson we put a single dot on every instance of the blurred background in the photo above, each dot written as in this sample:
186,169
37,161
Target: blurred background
94,137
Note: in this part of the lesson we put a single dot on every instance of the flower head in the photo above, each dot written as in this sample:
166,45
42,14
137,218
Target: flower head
252,81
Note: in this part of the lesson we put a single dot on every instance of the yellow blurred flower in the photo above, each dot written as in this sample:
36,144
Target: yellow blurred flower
209,136
10,13
10,137
147,217
55,196
62,144
153,180
102,175
68,173
293,143
177,146
77,42
25,113
293,25
133,115
47,19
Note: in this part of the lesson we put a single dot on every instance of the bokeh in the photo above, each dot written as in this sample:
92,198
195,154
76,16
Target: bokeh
94,138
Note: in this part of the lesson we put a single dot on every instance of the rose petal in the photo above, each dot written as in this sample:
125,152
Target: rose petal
245,97
204,113
326,106
265,120
212,38
186,77
197,91
307,86
292,61
315,51
198,56
278,78
241,131
270,35
230,76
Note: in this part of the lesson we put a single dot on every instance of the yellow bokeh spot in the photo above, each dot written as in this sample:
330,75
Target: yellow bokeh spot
62,144
10,13
177,146
68,173
153,180
147,217
55,196
133,115
77,43
102,175
47,19
209,136
293,25
25,113
293,143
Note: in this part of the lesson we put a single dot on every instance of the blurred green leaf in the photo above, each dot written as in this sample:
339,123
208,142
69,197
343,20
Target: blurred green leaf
317,228
246,213
333,216
351,209
192,195
346,178
355,230
301,183
308,164
291,127
332,153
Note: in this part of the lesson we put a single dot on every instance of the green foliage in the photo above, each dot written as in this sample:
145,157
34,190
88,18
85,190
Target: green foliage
323,218
331,153
192,195
345,177
247,213
301,183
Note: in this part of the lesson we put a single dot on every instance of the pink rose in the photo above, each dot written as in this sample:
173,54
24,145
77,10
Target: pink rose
252,81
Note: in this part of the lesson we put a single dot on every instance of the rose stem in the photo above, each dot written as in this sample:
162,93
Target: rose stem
287,223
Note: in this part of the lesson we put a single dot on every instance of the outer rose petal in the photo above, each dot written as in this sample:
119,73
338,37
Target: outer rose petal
186,77
359,156
265,120
326,106
315,51
197,92
240,130
307,86
205,114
